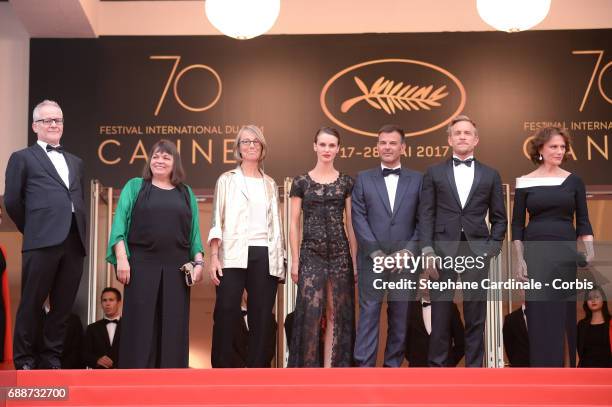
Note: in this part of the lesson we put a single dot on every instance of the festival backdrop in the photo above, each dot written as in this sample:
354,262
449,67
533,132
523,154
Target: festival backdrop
122,94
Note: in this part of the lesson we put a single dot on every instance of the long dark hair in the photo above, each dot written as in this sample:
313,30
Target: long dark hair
177,176
604,309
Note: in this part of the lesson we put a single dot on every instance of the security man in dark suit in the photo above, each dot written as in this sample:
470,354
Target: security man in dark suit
101,349
44,196
516,340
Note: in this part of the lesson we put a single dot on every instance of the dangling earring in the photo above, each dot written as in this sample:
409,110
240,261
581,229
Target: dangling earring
540,157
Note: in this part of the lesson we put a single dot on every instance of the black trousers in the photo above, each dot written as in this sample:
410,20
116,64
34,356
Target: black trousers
474,313
55,272
261,289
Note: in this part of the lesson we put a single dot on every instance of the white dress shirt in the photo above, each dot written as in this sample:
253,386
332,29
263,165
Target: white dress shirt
246,317
111,329
391,181
59,162
258,228
464,178
426,316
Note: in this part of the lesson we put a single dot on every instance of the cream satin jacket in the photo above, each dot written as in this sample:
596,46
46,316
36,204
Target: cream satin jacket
230,220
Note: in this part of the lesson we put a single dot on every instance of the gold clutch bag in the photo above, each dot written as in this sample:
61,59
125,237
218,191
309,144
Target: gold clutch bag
187,269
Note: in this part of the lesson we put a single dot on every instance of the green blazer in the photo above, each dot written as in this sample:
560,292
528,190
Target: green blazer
123,218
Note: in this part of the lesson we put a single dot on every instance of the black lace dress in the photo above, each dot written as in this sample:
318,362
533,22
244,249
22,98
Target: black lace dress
325,258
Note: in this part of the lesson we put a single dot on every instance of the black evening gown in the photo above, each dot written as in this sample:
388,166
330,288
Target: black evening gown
551,254
324,258
594,344
155,320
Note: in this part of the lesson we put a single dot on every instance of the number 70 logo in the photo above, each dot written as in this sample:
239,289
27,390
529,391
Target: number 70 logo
599,79
174,79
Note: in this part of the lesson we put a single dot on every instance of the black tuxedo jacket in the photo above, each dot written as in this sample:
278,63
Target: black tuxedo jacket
516,341
417,339
441,217
97,344
39,202
73,342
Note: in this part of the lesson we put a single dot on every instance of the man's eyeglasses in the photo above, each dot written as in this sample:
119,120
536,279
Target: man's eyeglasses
47,122
245,143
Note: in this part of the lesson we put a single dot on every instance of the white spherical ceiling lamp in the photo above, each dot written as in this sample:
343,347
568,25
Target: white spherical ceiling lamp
242,19
513,15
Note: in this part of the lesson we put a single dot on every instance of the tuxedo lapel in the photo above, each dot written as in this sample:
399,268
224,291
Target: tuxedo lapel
402,187
103,332
478,170
46,163
420,320
72,170
116,339
450,175
381,187
522,325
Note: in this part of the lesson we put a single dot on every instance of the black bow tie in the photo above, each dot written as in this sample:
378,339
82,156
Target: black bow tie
389,171
425,304
111,321
59,149
467,162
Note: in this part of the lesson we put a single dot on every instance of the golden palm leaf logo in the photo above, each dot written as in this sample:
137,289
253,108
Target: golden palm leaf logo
387,95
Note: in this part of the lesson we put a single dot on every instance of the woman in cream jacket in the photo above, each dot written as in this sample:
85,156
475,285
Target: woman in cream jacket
247,251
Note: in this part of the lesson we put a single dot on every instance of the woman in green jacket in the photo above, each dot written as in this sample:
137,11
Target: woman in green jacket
155,231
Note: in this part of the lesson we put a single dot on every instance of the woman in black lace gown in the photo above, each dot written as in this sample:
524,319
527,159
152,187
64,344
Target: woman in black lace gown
546,248
324,268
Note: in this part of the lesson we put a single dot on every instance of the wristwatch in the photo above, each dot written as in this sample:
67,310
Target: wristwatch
198,263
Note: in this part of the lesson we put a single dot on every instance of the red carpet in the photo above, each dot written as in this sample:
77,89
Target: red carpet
322,387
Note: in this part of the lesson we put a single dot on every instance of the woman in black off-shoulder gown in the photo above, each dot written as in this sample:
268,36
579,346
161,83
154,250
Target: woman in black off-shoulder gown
553,198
